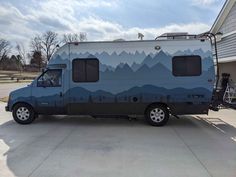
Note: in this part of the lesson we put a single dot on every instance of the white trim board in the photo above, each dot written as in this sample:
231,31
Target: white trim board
228,34
227,60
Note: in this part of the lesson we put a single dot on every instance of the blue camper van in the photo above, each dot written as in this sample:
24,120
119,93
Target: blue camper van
154,78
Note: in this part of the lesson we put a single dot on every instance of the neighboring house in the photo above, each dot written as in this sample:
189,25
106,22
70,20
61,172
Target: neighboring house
226,44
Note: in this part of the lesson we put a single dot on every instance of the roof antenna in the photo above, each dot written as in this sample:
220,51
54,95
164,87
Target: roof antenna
140,36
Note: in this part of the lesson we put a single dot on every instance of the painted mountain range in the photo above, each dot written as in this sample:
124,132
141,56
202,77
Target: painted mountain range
146,93
136,60
119,72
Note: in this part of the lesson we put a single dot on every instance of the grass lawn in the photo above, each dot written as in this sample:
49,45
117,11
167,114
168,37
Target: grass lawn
17,76
4,99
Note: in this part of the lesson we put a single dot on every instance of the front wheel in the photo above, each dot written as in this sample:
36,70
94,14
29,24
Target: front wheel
157,115
23,113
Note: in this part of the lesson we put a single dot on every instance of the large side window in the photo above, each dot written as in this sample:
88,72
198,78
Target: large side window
187,65
85,70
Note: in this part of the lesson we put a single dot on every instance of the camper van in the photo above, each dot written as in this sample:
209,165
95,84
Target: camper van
154,78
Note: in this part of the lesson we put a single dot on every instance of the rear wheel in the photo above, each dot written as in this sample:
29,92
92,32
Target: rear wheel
23,113
157,115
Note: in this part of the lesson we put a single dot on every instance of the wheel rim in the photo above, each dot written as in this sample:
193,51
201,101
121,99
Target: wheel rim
23,113
157,115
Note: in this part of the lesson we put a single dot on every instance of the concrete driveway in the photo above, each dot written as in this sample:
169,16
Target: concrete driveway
65,146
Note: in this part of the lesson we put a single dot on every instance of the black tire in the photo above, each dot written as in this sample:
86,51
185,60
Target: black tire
157,115
23,113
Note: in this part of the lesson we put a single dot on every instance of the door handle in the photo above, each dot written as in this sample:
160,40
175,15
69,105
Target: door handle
61,94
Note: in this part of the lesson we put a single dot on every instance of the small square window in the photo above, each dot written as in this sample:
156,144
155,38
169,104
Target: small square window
85,70
187,65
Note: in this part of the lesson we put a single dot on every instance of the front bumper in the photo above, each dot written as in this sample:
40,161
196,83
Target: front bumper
7,108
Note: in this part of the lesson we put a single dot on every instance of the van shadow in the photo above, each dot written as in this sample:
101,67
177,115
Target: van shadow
27,146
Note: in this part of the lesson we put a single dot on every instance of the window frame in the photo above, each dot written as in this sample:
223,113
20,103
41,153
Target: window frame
47,71
186,56
85,59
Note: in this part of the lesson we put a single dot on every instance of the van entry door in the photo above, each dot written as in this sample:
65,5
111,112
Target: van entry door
48,94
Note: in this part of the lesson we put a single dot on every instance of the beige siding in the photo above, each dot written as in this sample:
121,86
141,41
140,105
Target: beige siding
229,68
229,24
227,46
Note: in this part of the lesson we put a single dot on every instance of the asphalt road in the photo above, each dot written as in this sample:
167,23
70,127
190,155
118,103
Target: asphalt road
62,146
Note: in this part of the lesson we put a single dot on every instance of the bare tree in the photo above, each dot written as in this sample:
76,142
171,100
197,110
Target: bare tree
36,44
82,37
37,59
35,56
49,43
5,48
74,37
21,52
70,38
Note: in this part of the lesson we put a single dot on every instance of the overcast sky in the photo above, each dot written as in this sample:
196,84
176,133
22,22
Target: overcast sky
20,20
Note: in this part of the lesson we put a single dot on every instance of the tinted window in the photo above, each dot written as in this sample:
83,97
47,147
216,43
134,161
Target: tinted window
92,70
186,65
79,69
85,70
50,78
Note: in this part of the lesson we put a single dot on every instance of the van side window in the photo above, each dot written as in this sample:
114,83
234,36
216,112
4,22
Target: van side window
187,65
50,78
85,70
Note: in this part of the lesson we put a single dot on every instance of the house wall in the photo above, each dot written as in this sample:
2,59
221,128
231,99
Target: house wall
229,24
227,46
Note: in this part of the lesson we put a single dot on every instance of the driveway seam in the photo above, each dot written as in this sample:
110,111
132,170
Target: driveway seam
189,148
54,149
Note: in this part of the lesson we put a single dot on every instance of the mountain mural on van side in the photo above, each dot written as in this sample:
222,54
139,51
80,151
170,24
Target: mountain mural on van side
146,93
143,72
142,94
140,77
155,69
136,60
125,78
199,52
